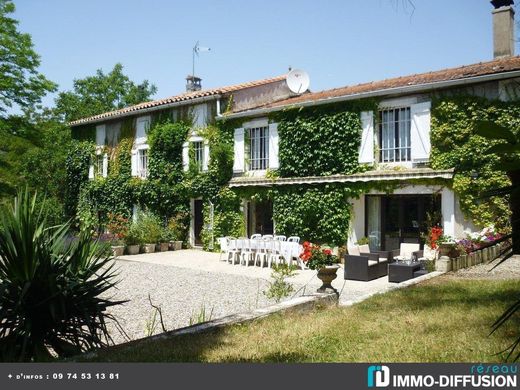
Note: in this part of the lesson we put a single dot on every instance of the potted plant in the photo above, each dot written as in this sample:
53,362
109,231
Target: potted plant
163,244
322,260
177,229
118,229
151,231
133,239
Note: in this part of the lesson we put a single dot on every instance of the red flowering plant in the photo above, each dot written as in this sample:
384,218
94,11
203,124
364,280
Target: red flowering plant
117,227
433,237
315,257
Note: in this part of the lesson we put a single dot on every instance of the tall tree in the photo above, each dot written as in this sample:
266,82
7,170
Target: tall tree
101,93
20,82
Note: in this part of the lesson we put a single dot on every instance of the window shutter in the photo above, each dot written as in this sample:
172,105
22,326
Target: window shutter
366,150
205,160
134,162
420,131
100,135
105,165
186,155
238,164
273,146
91,172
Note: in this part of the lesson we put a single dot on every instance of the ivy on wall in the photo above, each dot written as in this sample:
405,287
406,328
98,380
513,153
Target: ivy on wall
454,145
77,168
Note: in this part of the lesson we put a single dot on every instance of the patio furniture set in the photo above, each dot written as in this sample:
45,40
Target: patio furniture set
401,264
262,250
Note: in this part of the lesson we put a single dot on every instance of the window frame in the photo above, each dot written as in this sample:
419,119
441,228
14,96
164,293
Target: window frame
198,154
391,149
142,172
257,147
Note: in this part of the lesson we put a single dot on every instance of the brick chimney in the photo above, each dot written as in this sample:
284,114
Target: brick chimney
503,28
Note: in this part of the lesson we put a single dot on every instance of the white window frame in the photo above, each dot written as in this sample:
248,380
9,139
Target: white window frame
198,149
142,172
401,144
258,147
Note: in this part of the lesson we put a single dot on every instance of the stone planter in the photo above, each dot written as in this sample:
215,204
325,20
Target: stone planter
118,250
177,245
162,247
148,248
132,249
327,274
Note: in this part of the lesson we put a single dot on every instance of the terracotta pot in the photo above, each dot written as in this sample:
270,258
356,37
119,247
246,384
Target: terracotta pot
118,250
327,274
148,248
132,249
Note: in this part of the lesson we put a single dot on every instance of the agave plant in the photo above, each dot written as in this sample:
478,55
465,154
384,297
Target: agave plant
51,287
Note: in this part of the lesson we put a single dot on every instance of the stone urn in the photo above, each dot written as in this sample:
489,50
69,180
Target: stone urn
446,249
148,248
118,250
132,249
161,247
327,274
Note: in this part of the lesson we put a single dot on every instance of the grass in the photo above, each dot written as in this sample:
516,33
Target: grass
443,320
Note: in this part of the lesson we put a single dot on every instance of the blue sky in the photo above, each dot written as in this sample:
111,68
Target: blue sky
337,42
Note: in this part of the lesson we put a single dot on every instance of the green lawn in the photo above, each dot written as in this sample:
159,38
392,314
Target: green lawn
443,320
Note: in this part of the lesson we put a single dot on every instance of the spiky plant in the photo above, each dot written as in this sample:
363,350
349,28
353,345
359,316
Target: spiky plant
51,287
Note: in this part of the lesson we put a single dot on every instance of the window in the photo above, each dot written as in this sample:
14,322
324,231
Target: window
98,166
198,148
142,163
258,148
394,135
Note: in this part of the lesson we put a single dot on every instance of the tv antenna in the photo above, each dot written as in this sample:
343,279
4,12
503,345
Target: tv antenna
196,50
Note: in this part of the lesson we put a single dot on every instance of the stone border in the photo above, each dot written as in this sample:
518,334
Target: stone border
396,286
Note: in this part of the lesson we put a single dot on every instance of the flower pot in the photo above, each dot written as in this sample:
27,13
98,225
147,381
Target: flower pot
132,249
446,249
161,247
327,274
178,245
118,250
148,248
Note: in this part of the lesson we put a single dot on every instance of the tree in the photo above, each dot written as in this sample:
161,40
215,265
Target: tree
101,93
20,82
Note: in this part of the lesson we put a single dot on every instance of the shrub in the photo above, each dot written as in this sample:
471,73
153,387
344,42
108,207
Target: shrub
50,287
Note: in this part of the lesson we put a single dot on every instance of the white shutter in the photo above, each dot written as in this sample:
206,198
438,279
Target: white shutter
238,164
91,172
205,159
366,150
142,125
273,146
420,131
100,135
134,162
186,155
105,165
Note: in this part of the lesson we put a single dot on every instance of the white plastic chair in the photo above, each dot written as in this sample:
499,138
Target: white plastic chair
223,242
274,254
247,253
279,238
256,236
294,239
261,253
267,236
233,250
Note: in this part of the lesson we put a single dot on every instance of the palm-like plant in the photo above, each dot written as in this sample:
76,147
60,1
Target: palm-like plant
50,287
509,154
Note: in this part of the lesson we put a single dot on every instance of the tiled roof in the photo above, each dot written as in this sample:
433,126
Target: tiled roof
177,98
501,65
377,175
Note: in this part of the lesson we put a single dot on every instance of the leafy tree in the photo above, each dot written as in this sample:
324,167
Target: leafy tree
20,82
101,93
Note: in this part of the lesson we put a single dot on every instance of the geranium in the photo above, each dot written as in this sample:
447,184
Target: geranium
435,233
315,257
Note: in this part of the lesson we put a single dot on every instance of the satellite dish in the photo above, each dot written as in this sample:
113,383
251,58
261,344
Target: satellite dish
298,81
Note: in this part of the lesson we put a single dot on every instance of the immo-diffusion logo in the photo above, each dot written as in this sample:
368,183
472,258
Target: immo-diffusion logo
378,376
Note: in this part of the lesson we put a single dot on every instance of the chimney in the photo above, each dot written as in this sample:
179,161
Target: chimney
193,83
503,28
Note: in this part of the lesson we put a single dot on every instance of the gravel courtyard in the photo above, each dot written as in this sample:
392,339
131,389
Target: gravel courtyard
185,283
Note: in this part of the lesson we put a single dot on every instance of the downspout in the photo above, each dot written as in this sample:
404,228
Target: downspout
219,113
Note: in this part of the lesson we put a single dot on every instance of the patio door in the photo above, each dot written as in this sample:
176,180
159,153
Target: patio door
260,218
395,219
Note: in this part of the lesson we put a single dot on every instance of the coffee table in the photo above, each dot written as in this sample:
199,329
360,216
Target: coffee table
399,272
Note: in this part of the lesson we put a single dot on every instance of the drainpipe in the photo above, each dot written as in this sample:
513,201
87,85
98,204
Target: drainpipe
219,113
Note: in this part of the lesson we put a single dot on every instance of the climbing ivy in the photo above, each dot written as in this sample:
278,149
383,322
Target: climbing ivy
455,145
77,168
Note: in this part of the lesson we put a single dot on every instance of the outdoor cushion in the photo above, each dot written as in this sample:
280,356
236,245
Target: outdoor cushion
364,248
382,259
353,251
371,263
